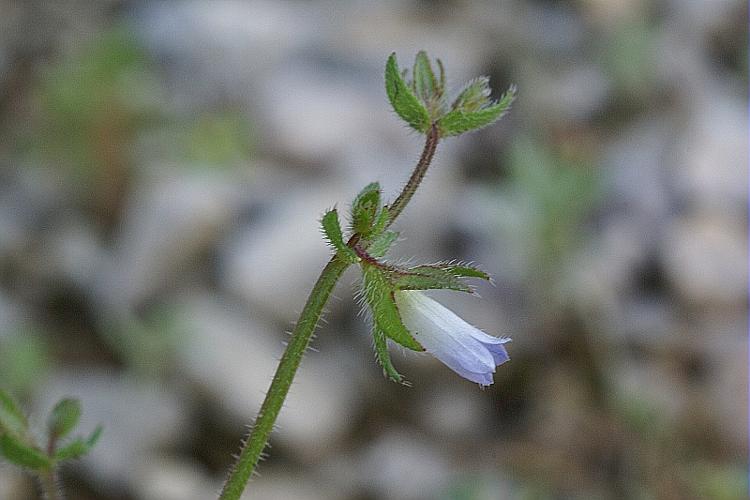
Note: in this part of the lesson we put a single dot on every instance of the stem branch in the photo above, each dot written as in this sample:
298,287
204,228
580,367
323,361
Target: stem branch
282,380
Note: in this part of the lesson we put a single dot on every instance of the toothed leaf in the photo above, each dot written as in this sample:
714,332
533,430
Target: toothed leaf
459,121
430,278
379,296
332,232
465,271
381,244
402,99
16,451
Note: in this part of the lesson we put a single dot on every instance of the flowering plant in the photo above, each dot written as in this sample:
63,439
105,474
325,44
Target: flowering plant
394,294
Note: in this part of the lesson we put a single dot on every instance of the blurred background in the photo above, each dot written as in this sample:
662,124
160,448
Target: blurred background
163,166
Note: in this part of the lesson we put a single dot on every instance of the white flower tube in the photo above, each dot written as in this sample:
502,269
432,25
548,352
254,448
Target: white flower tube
464,348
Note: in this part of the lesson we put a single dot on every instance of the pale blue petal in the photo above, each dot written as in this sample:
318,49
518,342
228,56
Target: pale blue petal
499,354
465,349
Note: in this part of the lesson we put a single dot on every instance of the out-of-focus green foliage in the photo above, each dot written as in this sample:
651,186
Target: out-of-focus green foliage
551,196
19,446
628,58
93,103
96,104
146,345
717,482
64,417
220,138
24,360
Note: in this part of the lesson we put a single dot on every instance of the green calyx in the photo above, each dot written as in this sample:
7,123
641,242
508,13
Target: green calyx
421,101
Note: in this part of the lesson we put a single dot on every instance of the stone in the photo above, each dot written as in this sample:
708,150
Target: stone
273,263
163,478
400,466
232,357
705,259
169,219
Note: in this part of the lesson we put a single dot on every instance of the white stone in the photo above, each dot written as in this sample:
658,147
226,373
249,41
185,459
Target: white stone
233,357
706,260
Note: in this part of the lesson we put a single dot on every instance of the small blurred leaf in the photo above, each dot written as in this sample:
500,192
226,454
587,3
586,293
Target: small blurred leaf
64,417
78,447
75,449
94,436
379,295
20,453
12,419
404,102
459,121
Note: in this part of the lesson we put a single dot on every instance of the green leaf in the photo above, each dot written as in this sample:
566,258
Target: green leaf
64,417
404,102
22,454
384,357
459,121
332,232
75,449
12,419
379,295
365,209
381,244
466,271
474,96
425,84
430,278
381,221
78,447
442,75
94,436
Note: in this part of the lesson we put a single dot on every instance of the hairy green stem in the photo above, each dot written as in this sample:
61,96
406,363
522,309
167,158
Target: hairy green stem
282,380
417,175
301,335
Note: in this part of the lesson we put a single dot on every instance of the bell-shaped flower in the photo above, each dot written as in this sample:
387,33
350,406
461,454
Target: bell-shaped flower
464,348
